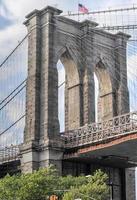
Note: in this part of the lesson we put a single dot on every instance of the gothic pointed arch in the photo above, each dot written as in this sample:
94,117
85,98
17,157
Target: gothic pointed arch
72,88
106,107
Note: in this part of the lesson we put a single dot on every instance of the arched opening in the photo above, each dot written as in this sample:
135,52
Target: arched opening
69,94
97,105
61,95
105,109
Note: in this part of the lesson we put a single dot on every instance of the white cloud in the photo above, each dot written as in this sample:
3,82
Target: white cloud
20,8
17,10
9,39
4,11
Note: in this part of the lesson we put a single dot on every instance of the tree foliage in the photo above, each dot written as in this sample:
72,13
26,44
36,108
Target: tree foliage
41,184
95,189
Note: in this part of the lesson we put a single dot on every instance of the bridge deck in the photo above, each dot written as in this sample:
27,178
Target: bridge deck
113,141
118,152
98,132
9,154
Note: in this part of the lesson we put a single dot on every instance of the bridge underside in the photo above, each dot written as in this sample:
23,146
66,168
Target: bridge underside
118,152
117,156
12,167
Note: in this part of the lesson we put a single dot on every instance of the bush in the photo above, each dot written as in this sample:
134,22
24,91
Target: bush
41,184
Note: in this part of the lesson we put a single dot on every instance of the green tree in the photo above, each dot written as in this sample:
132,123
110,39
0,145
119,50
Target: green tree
9,187
95,189
41,184
65,183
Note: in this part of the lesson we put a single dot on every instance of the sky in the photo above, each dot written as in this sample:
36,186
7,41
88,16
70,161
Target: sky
13,12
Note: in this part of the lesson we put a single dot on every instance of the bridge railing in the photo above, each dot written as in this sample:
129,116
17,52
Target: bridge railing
97,132
9,153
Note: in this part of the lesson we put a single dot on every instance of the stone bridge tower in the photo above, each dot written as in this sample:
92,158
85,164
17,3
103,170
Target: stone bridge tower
84,50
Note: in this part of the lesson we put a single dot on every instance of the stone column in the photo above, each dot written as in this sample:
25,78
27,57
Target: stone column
66,104
29,152
42,145
88,97
130,184
88,68
121,73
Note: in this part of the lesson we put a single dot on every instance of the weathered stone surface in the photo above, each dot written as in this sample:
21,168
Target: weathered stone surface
84,50
130,184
